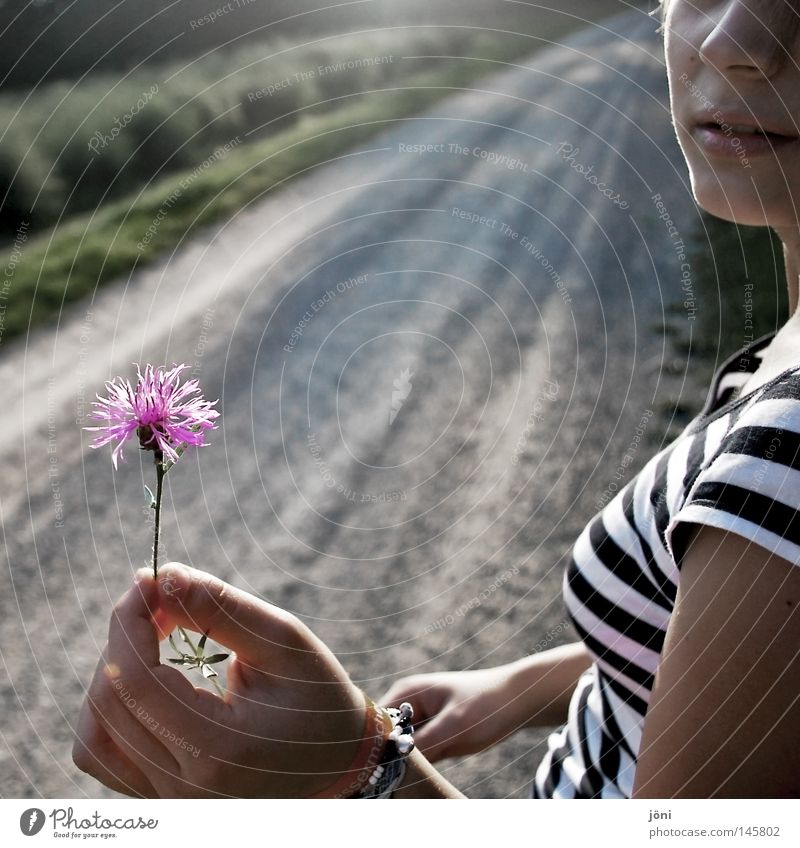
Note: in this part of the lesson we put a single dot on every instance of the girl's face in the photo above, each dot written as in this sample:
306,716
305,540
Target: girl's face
734,77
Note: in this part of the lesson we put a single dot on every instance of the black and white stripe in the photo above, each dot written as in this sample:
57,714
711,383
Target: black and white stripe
735,467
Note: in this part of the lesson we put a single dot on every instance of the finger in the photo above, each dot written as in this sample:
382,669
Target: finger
395,695
132,626
135,732
153,694
422,694
96,754
129,725
163,624
434,738
263,635
159,617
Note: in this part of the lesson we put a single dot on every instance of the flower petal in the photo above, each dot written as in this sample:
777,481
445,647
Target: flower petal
171,413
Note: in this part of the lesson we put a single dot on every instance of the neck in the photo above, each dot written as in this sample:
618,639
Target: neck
791,255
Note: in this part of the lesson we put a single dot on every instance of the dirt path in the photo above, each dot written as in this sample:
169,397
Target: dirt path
421,408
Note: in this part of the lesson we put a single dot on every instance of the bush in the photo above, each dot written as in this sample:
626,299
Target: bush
198,106
267,110
741,282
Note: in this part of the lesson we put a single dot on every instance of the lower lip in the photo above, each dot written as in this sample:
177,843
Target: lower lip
730,145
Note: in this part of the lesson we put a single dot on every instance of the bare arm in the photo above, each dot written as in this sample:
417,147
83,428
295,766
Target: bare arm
532,691
458,713
422,780
544,683
725,708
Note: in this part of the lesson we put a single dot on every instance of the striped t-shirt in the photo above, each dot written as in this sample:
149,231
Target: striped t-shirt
736,467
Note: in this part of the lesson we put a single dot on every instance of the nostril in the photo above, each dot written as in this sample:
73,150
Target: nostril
741,44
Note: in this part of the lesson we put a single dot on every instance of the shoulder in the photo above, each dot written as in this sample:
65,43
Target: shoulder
724,709
764,436
785,386
750,482
767,426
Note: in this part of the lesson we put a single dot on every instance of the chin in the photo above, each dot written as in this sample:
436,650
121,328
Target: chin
716,201
741,201
760,196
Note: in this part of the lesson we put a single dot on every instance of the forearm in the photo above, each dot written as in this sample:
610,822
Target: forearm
541,685
423,781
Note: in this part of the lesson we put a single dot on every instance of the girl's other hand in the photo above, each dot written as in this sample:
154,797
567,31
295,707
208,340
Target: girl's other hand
458,712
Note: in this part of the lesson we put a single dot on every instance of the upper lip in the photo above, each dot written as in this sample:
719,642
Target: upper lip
722,118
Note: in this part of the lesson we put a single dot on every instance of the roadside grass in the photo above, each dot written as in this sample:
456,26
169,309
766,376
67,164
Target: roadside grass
59,265
156,119
740,295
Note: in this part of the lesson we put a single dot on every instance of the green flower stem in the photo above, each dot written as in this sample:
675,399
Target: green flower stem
159,460
185,637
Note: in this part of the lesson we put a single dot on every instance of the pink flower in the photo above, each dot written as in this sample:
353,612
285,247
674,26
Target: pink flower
164,414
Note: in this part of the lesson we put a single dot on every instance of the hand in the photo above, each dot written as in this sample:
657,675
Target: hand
289,726
458,712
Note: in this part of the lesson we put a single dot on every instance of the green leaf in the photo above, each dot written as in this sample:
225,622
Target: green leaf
179,451
215,658
178,660
201,644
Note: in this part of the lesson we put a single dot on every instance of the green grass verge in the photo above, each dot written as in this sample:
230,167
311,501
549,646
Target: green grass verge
740,294
72,259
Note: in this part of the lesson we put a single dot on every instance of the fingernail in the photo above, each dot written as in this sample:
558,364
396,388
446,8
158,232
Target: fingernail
141,575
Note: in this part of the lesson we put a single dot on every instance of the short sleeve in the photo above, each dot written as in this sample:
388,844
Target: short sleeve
751,484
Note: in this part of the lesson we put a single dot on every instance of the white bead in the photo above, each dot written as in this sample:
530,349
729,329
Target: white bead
405,744
373,780
379,771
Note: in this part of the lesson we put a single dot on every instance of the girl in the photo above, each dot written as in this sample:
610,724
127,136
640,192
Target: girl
684,589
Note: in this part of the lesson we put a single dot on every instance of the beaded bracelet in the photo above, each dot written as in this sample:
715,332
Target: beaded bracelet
378,727
391,770
379,765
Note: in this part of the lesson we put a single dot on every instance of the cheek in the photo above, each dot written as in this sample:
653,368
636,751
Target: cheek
766,193
683,69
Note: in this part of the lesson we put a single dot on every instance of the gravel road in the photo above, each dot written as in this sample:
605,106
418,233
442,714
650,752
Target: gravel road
432,355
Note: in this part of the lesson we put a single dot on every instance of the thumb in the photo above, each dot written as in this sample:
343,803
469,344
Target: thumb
259,632
434,737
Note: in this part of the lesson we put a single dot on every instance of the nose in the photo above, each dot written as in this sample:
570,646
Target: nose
746,39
